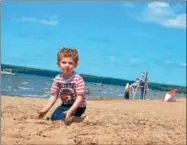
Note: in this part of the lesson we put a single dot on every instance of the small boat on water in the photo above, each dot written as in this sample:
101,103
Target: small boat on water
7,72
87,90
98,84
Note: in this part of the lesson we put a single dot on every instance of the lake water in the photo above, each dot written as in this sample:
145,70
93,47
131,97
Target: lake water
39,86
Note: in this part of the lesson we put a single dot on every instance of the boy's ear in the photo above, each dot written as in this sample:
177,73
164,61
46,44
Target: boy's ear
76,65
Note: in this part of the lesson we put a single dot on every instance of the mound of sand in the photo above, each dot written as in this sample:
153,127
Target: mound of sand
108,121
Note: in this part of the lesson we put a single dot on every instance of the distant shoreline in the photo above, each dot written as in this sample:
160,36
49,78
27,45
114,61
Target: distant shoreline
90,78
100,98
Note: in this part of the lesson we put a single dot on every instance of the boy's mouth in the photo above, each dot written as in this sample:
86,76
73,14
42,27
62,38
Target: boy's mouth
67,69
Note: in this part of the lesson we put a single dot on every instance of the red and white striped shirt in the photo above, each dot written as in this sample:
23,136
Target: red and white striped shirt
68,89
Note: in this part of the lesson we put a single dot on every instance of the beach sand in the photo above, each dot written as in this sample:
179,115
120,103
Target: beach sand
108,121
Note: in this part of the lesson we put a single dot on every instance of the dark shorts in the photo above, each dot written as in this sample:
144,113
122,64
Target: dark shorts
59,114
126,95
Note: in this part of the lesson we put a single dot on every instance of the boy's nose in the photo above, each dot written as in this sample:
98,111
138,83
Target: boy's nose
67,65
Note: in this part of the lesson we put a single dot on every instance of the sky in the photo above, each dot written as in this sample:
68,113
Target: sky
114,39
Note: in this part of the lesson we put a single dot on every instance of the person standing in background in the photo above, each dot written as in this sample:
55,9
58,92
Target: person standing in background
142,86
127,90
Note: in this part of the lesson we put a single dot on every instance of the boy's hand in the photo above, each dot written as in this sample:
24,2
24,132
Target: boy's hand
68,116
41,114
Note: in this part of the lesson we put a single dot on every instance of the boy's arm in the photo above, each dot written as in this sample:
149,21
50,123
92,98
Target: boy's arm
50,103
75,105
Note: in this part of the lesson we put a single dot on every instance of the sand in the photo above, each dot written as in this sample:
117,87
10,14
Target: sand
107,121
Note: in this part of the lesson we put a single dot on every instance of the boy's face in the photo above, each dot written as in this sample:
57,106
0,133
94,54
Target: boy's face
67,65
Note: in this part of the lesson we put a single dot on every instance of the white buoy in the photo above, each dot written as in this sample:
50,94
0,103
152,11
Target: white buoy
167,97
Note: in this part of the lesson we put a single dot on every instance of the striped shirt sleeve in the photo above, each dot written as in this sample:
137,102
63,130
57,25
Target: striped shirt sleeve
80,86
54,87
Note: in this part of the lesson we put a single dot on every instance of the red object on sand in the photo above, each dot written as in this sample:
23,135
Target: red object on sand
172,92
168,96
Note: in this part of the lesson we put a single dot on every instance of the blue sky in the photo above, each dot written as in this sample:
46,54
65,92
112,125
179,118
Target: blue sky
114,39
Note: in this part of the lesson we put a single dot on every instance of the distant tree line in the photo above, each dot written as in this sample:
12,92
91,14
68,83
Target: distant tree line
90,78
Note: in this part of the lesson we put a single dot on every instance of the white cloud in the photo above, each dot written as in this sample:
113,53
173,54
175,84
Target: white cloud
156,12
132,62
49,22
161,13
52,21
177,22
159,8
28,19
168,62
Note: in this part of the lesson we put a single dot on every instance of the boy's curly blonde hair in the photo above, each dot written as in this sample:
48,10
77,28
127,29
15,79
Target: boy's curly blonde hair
68,52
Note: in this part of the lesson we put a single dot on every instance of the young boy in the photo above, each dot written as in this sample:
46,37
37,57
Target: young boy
69,86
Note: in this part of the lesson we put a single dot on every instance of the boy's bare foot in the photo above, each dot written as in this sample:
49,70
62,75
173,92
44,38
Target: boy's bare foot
78,119
75,119
70,121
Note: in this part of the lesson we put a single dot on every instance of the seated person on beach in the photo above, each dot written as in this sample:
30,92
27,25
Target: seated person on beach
69,86
127,90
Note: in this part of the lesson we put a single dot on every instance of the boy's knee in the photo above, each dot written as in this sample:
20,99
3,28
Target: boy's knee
53,117
56,116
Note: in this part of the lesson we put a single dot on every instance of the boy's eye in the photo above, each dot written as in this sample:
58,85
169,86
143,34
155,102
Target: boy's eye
64,62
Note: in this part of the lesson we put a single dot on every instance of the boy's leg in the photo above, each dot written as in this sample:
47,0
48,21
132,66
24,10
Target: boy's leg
79,111
59,114
76,116
142,93
127,96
